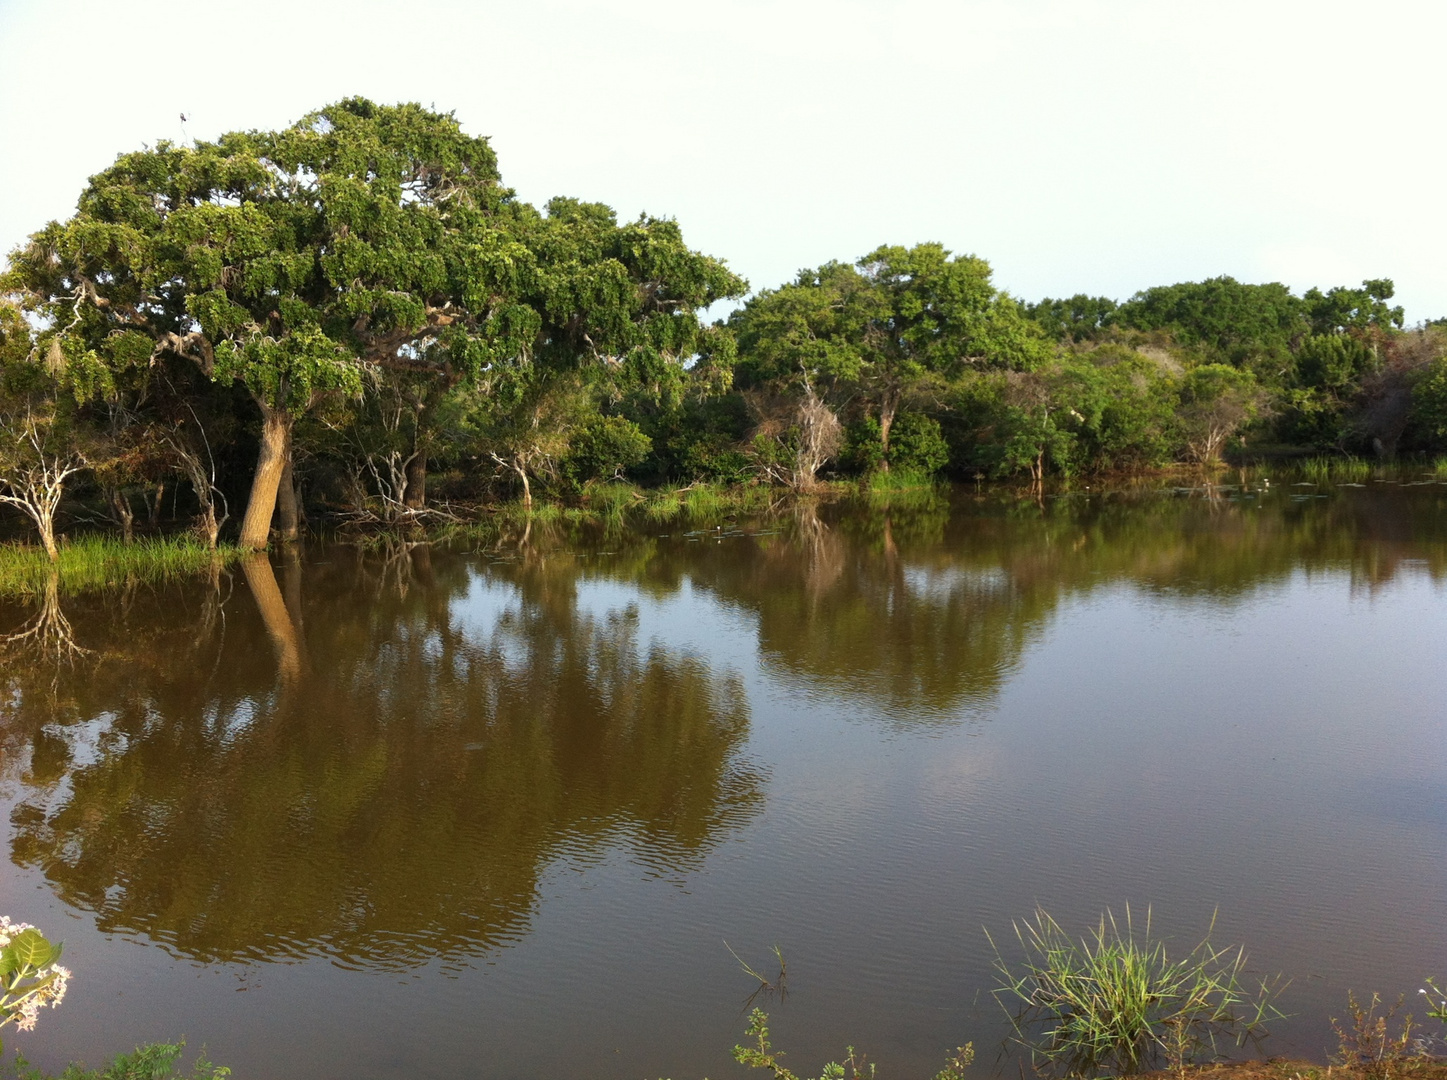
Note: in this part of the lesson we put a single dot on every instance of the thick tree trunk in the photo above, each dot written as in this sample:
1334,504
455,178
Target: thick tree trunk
415,496
286,514
270,464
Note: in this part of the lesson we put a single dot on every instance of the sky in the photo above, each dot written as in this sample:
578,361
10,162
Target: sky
1097,146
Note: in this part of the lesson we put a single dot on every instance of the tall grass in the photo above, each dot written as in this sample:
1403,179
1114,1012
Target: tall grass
703,502
93,563
1115,1002
1327,469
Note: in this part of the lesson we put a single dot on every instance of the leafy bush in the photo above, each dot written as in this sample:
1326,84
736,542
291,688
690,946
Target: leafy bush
1115,1002
917,445
605,448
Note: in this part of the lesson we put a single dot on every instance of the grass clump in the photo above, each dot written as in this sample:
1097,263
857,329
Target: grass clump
1328,469
1115,1001
92,563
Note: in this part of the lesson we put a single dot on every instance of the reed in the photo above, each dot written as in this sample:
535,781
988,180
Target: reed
1327,469
94,563
1115,1002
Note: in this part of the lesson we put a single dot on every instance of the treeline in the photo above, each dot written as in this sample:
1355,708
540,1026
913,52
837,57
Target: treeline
355,317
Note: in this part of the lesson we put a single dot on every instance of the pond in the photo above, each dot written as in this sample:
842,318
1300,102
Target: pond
509,808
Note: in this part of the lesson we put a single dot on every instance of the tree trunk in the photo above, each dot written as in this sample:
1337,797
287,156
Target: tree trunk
270,463
153,509
207,524
415,496
121,511
46,524
888,405
527,488
286,515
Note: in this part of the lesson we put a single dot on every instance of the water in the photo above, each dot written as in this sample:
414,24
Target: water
494,810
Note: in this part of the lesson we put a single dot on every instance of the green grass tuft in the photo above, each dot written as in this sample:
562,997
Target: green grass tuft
93,563
1115,1003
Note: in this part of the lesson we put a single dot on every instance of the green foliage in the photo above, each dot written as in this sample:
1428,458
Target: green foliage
1333,361
1217,401
862,451
155,1061
896,323
1114,1002
1079,317
1341,309
1109,408
604,449
1429,401
917,445
1242,325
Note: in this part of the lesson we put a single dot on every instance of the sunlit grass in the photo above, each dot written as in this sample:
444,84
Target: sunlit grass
1115,1003
93,563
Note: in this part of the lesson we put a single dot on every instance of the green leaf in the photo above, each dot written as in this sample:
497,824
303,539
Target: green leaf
31,949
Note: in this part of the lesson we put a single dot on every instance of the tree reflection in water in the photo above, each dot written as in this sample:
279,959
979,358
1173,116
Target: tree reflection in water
358,761
387,793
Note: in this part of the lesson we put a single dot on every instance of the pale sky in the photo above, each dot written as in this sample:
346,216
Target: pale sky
1097,146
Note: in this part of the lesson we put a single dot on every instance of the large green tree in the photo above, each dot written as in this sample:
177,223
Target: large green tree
294,263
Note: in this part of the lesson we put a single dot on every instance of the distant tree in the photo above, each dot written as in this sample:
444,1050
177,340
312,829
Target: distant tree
897,322
1217,401
1078,317
1251,326
1341,309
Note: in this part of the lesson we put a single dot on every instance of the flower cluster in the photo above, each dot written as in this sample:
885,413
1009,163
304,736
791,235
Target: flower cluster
9,929
30,978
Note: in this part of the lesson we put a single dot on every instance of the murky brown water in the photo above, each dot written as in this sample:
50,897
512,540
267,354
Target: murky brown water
494,811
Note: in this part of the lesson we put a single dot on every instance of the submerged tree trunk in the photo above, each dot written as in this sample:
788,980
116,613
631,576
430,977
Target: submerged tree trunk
415,495
270,464
286,512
